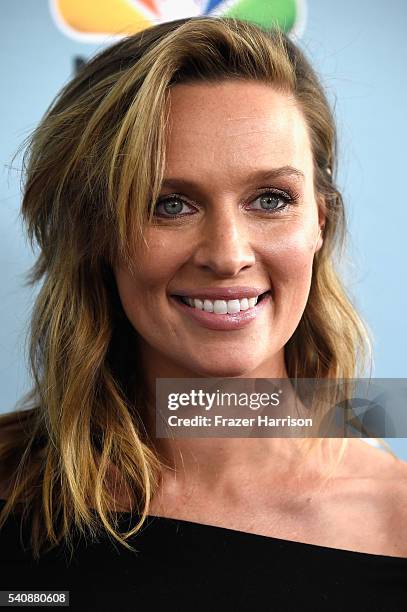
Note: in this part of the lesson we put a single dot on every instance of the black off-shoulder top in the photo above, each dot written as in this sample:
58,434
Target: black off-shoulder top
186,566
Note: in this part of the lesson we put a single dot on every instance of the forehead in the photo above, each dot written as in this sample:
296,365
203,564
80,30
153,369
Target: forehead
235,123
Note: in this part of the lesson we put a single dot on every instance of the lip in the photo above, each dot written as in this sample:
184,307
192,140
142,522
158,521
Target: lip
222,293
223,322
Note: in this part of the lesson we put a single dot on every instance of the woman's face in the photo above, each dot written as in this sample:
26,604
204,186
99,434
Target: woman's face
233,222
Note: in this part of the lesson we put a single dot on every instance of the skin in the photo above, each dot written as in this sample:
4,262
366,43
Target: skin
219,134
234,129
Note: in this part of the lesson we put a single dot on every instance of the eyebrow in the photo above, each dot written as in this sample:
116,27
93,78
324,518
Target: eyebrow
253,177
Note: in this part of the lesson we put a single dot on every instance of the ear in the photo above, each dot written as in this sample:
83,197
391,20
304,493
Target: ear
321,223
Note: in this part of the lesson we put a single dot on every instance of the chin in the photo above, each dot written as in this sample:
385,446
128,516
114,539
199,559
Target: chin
222,370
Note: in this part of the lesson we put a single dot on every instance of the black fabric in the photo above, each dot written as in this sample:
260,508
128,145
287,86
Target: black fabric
181,565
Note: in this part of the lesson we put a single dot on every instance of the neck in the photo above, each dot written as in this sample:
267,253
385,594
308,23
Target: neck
214,463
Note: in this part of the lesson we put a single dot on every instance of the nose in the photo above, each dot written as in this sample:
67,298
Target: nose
225,243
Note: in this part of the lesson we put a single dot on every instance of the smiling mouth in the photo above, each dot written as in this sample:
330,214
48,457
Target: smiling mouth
222,306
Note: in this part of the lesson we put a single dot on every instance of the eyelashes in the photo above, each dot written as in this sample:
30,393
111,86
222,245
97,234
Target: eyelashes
269,196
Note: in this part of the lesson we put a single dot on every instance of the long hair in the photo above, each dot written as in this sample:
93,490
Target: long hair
92,172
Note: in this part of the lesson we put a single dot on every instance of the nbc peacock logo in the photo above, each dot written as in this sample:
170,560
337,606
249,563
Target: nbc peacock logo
96,20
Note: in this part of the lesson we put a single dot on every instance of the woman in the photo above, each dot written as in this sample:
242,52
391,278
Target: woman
186,168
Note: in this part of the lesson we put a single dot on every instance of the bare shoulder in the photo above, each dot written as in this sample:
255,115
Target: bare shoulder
392,480
365,460
376,484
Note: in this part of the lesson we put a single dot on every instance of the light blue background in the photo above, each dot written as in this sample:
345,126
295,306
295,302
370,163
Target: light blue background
360,51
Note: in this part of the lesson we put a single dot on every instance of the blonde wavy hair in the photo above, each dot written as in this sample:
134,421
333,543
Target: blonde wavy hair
92,172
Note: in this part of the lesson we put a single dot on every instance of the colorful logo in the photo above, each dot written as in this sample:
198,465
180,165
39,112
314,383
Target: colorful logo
96,20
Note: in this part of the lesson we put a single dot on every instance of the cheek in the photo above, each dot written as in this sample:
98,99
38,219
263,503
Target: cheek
290,255
142,289
289,262
157,264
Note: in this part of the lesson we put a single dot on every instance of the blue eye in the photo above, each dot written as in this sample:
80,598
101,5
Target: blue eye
172,205
270,198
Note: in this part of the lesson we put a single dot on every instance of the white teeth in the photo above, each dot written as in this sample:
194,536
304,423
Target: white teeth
222,306
233,306
208,306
